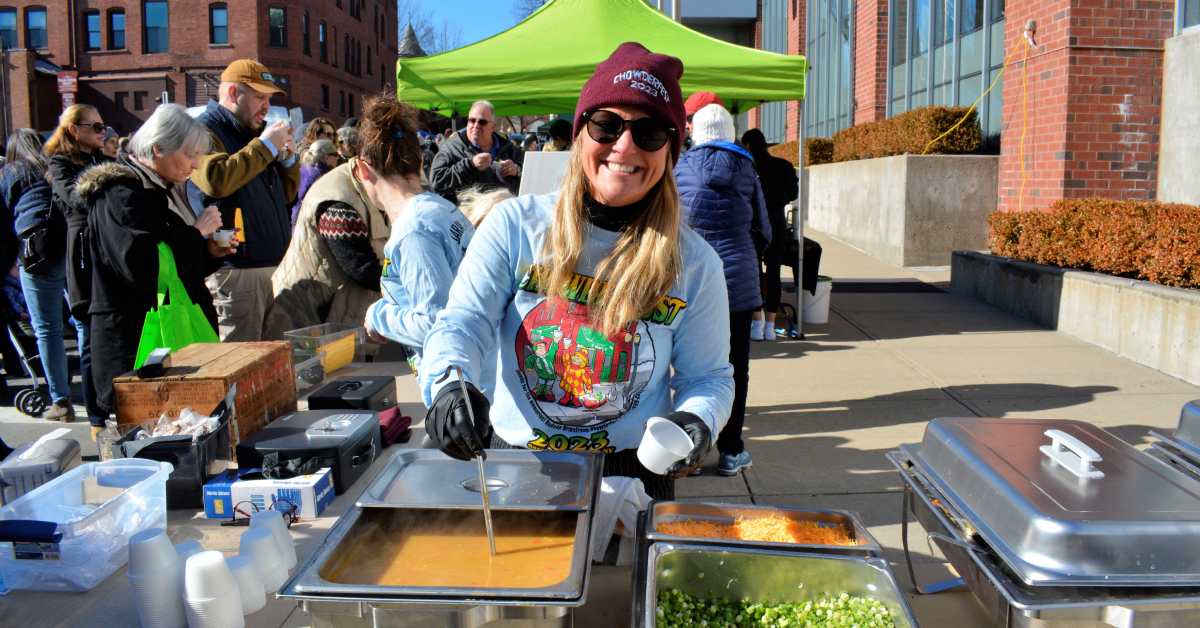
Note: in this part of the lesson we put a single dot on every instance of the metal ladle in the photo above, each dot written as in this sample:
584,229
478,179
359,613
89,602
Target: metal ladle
483,487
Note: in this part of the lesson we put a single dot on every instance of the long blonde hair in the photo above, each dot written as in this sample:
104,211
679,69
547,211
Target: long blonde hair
64,142
644,262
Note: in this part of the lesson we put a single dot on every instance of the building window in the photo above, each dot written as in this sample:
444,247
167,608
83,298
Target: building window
830,32
35,28
91,23
139,101
1188,13
155,23
947,52
339,3
322,44
8,28
333,47
341,102
368,61
324,98
218,24
116,29
277,19
350,103
304,38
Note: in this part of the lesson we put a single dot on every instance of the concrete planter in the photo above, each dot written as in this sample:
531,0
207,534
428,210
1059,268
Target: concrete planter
908,210
1153,325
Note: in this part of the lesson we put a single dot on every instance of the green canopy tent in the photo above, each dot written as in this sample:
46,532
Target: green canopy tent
540,65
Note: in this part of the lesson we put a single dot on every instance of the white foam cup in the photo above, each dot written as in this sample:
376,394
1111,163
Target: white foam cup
254,596
273,521
156,580
223,237
150,551
663,444
187,548
259,546
211,593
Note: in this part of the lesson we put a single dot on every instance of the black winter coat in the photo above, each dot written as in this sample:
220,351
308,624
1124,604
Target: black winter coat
453,171
63,173
128,215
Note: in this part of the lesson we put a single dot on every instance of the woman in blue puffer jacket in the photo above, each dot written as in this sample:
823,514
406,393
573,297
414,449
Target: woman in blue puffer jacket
723,202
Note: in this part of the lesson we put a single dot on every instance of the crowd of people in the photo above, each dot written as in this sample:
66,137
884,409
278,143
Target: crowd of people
579,315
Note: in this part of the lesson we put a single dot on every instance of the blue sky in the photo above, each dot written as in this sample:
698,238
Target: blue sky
479,19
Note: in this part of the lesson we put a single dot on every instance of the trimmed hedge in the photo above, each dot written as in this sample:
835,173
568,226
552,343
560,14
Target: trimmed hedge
1148,240
910,132
817,151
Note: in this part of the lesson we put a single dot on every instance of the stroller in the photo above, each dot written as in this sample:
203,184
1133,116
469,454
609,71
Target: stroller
31,401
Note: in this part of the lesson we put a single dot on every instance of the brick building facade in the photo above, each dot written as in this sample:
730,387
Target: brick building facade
1078,115
128,53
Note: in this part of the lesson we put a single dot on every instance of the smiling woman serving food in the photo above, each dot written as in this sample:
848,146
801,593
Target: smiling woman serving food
598,308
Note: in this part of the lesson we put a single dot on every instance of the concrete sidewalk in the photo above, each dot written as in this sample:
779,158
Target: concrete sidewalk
823,411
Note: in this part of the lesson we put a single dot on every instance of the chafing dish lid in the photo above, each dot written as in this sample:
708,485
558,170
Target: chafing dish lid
1054,516
518,479
1189,426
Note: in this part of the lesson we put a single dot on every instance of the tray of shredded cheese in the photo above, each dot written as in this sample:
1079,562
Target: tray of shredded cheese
828,531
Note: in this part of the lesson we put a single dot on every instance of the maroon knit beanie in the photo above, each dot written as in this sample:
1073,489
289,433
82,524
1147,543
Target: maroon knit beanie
635,77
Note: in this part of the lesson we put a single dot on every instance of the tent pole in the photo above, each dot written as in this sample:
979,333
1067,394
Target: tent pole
800,219
675,11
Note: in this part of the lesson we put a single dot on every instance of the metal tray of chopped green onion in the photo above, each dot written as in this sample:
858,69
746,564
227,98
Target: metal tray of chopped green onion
694,585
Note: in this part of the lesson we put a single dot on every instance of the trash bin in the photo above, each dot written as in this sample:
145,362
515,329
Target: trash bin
816,307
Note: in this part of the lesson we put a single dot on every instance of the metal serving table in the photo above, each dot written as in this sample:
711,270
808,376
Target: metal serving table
1094,533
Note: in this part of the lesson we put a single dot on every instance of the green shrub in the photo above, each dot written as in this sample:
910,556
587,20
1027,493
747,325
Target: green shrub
1158,242
910,132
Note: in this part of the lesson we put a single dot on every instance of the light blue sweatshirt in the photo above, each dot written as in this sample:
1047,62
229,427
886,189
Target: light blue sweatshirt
422,256
561,384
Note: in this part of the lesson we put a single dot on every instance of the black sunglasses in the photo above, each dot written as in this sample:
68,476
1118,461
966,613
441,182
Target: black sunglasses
98,127
479,121
607,127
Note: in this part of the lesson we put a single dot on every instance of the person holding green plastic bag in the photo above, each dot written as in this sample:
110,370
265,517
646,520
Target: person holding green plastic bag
150,251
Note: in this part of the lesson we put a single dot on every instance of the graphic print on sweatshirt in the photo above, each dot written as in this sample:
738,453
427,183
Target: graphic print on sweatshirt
577,378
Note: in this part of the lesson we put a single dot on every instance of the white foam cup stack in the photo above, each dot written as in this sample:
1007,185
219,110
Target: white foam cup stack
259,546
156,580
273,521
212,598
254,597
663,444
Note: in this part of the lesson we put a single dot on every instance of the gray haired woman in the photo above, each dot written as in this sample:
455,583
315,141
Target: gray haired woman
320,157
135,203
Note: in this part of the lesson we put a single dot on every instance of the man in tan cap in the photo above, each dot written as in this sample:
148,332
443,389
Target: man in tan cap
252,175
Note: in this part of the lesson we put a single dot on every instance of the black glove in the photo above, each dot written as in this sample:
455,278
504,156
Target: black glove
448,422
701,441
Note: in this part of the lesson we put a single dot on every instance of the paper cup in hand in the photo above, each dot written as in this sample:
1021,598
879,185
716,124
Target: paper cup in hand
663,444
223,237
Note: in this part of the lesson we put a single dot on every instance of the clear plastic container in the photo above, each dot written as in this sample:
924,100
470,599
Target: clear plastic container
97,506
336,344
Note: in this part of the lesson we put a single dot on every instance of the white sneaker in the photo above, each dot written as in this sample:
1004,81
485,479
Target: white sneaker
756,329
768,332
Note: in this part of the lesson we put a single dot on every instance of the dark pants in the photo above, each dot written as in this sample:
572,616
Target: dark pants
730,440
96,414
115,337
771,287
625,464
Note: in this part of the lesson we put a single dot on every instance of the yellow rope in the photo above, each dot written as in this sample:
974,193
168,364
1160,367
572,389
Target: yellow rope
1024,124
975,104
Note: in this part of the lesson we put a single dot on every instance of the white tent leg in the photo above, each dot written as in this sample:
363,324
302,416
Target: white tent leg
800,220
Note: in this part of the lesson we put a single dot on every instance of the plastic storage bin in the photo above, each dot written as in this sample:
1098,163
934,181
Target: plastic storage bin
336,344
96,507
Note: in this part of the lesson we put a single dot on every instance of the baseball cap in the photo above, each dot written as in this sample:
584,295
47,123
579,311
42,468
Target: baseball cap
252,74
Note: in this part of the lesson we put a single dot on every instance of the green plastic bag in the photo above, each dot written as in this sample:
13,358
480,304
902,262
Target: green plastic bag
177,322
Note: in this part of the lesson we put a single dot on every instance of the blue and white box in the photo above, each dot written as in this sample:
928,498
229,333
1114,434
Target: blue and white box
218,495
308,494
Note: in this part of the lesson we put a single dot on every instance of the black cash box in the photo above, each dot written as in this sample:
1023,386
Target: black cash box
359,393
347,441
